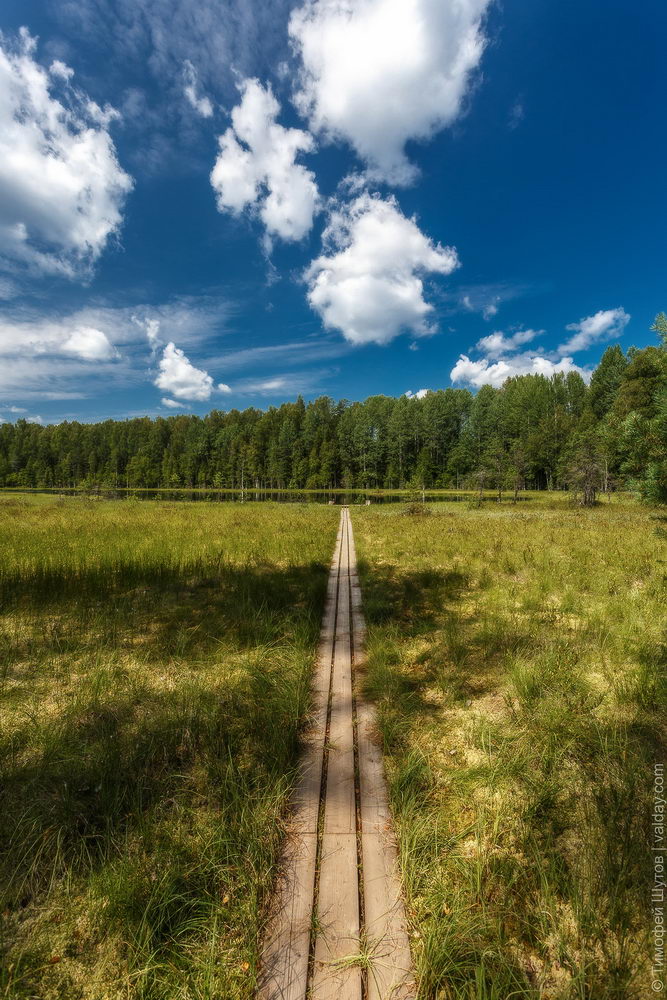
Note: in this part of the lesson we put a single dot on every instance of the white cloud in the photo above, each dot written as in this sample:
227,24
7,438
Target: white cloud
179,377
152,333
172,404
61,187
497,344
90,344
151,326
272,385
256,167
380,72
603,325
484,372
502,360
97,349
54,338
417,395
295,352
202,105
284,385
60,69
368,284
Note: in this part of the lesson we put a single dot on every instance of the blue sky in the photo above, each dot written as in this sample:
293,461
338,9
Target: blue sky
228,203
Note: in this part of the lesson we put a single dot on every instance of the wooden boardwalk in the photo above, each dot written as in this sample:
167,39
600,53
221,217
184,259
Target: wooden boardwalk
337,926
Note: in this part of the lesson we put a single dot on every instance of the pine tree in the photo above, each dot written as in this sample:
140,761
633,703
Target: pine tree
606,379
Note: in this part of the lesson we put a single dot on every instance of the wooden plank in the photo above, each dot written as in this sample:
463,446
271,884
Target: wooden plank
340,805
390,968
284,968
285,953
390,971
335,976
374,804
384,913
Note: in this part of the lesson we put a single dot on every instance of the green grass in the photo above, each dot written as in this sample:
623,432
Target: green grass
154,671
519,660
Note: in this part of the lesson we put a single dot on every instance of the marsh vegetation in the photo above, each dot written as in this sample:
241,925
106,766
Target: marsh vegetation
154,665
519,660
155,660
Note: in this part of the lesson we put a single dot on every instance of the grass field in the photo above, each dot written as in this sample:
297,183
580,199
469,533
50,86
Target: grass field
154,669
518,655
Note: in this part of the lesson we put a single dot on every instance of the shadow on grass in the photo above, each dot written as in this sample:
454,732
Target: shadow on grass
159,614
544,813
412,600
461,654
158,778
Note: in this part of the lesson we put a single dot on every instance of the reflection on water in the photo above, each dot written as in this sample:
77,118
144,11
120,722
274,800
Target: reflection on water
258,495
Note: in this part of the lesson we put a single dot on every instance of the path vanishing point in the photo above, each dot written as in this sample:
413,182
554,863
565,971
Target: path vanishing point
337,927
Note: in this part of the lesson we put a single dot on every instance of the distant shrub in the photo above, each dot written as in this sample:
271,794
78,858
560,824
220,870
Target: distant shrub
417,509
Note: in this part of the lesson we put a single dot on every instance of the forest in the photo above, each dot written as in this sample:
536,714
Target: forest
535,432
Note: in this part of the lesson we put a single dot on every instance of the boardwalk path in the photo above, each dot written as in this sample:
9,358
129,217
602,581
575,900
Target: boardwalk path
337,930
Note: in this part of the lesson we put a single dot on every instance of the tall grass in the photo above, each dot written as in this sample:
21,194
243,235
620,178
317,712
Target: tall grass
519,660
154,667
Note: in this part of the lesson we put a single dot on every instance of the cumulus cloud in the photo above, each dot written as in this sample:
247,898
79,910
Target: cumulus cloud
486,372
62,189
503,359
256,168
368,283
201,104
54,338
173,404
603,325
179,377
497,344
90,344
380,72
417,395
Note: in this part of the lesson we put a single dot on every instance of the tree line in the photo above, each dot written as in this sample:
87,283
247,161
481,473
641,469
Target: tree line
535,432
